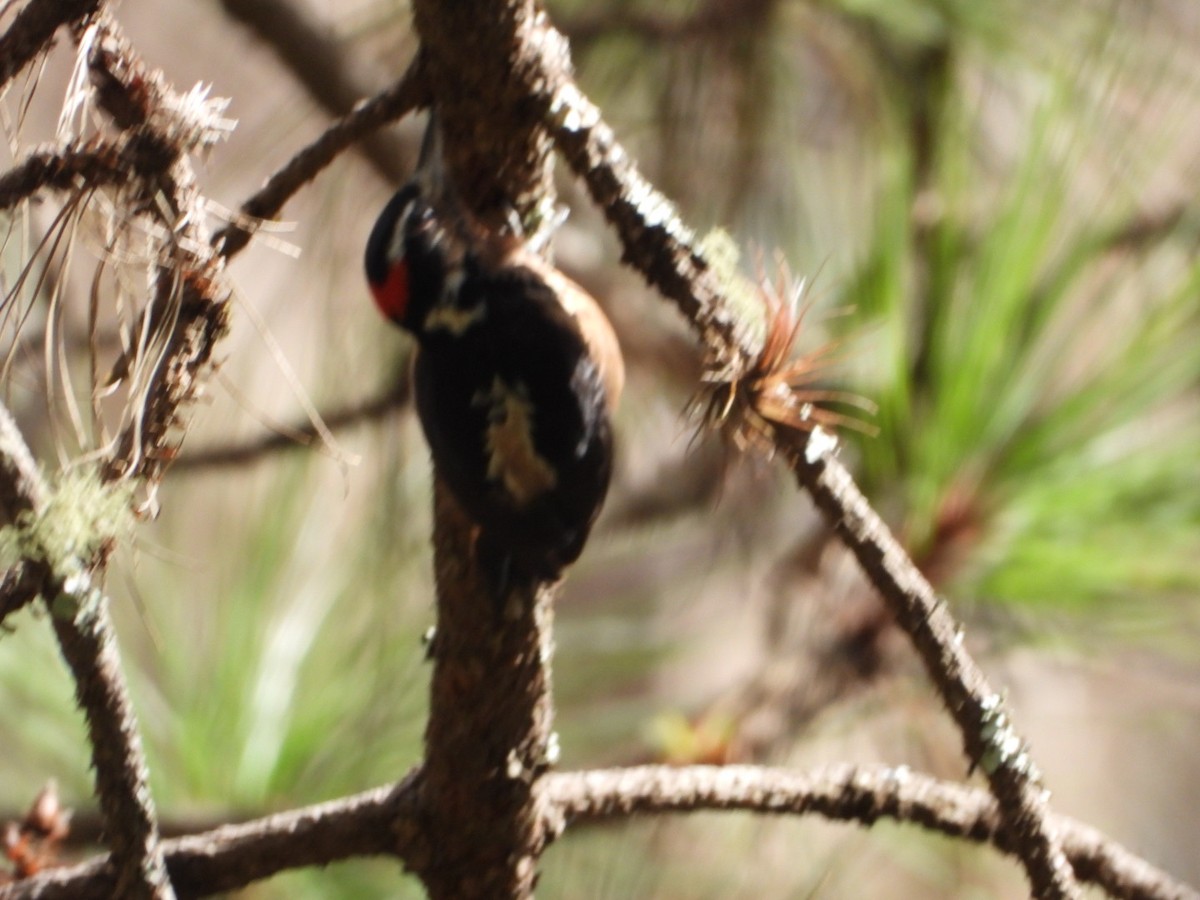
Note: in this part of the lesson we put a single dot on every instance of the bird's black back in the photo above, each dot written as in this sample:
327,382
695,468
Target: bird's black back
527,350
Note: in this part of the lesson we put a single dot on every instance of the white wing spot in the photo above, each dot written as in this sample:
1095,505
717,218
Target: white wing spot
453,319
512,458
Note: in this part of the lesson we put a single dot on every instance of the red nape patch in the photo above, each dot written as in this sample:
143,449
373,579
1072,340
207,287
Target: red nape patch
391,295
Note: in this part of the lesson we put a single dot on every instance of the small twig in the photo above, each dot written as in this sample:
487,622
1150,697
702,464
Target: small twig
34,28
397,101
139,99
656,242
323,64
378,822
241,454
94,163
848,793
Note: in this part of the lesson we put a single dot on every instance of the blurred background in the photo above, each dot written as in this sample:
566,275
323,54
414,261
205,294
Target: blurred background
994,206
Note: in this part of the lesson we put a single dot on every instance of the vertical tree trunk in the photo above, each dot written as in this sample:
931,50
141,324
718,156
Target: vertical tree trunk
490,723
488,732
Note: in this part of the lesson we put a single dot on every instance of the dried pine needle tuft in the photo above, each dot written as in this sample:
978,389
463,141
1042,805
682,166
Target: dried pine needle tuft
776,401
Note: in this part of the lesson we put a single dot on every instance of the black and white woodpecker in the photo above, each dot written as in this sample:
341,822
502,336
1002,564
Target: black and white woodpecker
516,376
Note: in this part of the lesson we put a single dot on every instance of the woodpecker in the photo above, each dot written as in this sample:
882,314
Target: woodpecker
516,376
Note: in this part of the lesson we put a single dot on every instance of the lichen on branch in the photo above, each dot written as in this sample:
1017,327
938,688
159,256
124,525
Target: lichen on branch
80,517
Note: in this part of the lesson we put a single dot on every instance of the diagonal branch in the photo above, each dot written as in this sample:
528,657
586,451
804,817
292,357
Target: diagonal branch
22,488
654,239
847,793
394,103
34,28
657,243
989,738
320,61
79,613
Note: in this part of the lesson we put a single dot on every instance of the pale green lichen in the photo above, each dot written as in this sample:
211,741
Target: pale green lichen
1002,746
81,515
743,296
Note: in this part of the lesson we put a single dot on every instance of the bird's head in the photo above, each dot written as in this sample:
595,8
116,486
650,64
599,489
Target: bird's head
412,245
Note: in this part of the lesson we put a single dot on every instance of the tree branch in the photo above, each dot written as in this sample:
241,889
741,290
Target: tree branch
374,823
87,639
656,242
20,585
394,103
848,793
34,28
370,823
654,239
321,64
299,436
489,738
79,613
22,490
96,162
990,741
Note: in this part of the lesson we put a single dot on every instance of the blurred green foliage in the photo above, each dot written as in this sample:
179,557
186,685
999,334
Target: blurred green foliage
980,183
